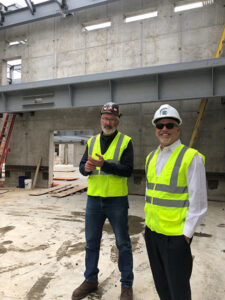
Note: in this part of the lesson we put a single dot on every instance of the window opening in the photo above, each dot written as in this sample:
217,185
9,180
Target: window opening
14,71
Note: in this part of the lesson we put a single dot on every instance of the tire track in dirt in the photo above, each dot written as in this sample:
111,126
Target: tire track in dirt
37,290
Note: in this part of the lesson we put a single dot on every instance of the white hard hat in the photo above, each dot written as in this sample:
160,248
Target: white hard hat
166,111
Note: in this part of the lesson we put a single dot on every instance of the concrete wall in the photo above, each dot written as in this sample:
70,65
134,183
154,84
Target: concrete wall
58,47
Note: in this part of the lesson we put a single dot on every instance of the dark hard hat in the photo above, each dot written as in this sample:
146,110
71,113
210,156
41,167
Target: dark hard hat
111,108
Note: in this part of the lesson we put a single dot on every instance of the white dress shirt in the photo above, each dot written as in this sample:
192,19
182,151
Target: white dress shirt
196,182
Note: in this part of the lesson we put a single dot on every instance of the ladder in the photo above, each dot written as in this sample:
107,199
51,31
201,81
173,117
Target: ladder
203,102
5,134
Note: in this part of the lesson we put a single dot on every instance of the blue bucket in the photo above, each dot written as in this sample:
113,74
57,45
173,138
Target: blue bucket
21,182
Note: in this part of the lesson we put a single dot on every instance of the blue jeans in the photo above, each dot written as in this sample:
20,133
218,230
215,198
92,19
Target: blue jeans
116,210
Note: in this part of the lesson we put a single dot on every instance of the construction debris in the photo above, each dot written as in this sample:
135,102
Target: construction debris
36,173
65,178
3,191
73,190
46,191
62,190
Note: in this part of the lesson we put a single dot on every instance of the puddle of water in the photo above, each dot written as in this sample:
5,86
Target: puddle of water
114,250
221,225
200,234
136,225
7,242
14,267
78,213
17,214
3,230
2,250
135,243
64,219
76,248
66,249
54,208
40,247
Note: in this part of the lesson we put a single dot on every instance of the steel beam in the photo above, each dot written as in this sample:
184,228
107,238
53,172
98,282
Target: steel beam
189,80
31,6
47,10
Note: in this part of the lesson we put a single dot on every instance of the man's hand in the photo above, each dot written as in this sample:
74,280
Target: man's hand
187,239
89,167
92,163
96,162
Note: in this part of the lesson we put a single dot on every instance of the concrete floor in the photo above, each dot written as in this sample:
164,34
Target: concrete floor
42,250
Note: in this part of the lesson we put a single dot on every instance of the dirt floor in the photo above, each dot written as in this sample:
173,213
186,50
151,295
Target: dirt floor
42,250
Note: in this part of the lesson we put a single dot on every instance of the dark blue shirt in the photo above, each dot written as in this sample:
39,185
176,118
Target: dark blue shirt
124,168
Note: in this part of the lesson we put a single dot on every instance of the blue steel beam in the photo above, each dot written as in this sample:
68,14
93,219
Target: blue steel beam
31,6
46,10
189,80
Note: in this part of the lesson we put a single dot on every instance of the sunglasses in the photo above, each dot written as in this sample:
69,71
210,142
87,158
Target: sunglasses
168,125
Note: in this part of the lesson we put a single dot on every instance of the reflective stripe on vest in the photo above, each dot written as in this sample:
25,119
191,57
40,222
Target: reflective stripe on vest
149,159
115,156
167,203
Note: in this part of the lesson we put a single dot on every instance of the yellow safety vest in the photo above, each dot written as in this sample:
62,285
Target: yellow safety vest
104,184
167,194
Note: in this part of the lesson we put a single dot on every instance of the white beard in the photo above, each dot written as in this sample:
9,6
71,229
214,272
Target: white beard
108,131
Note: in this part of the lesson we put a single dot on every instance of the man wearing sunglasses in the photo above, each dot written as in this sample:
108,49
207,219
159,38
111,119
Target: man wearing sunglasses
176,201
108,161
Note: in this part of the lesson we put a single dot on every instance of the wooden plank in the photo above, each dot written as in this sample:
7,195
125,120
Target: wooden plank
3,191
69,186
36,173
46,191
65,178
75,189
65,171
201,110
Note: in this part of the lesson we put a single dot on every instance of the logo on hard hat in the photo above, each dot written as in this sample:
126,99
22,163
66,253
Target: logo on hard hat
163,112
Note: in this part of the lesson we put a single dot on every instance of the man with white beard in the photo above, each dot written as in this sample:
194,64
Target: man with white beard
108,161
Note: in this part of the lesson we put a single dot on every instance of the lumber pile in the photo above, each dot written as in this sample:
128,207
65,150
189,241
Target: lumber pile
65,178
62,190
70,191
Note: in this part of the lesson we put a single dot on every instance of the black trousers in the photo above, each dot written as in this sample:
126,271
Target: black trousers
171,264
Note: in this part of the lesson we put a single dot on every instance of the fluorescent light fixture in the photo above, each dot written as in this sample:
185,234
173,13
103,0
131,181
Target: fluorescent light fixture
142,16
97,26
188,6
13,43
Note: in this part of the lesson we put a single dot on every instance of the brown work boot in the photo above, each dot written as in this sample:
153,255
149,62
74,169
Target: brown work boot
84,289
126,293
